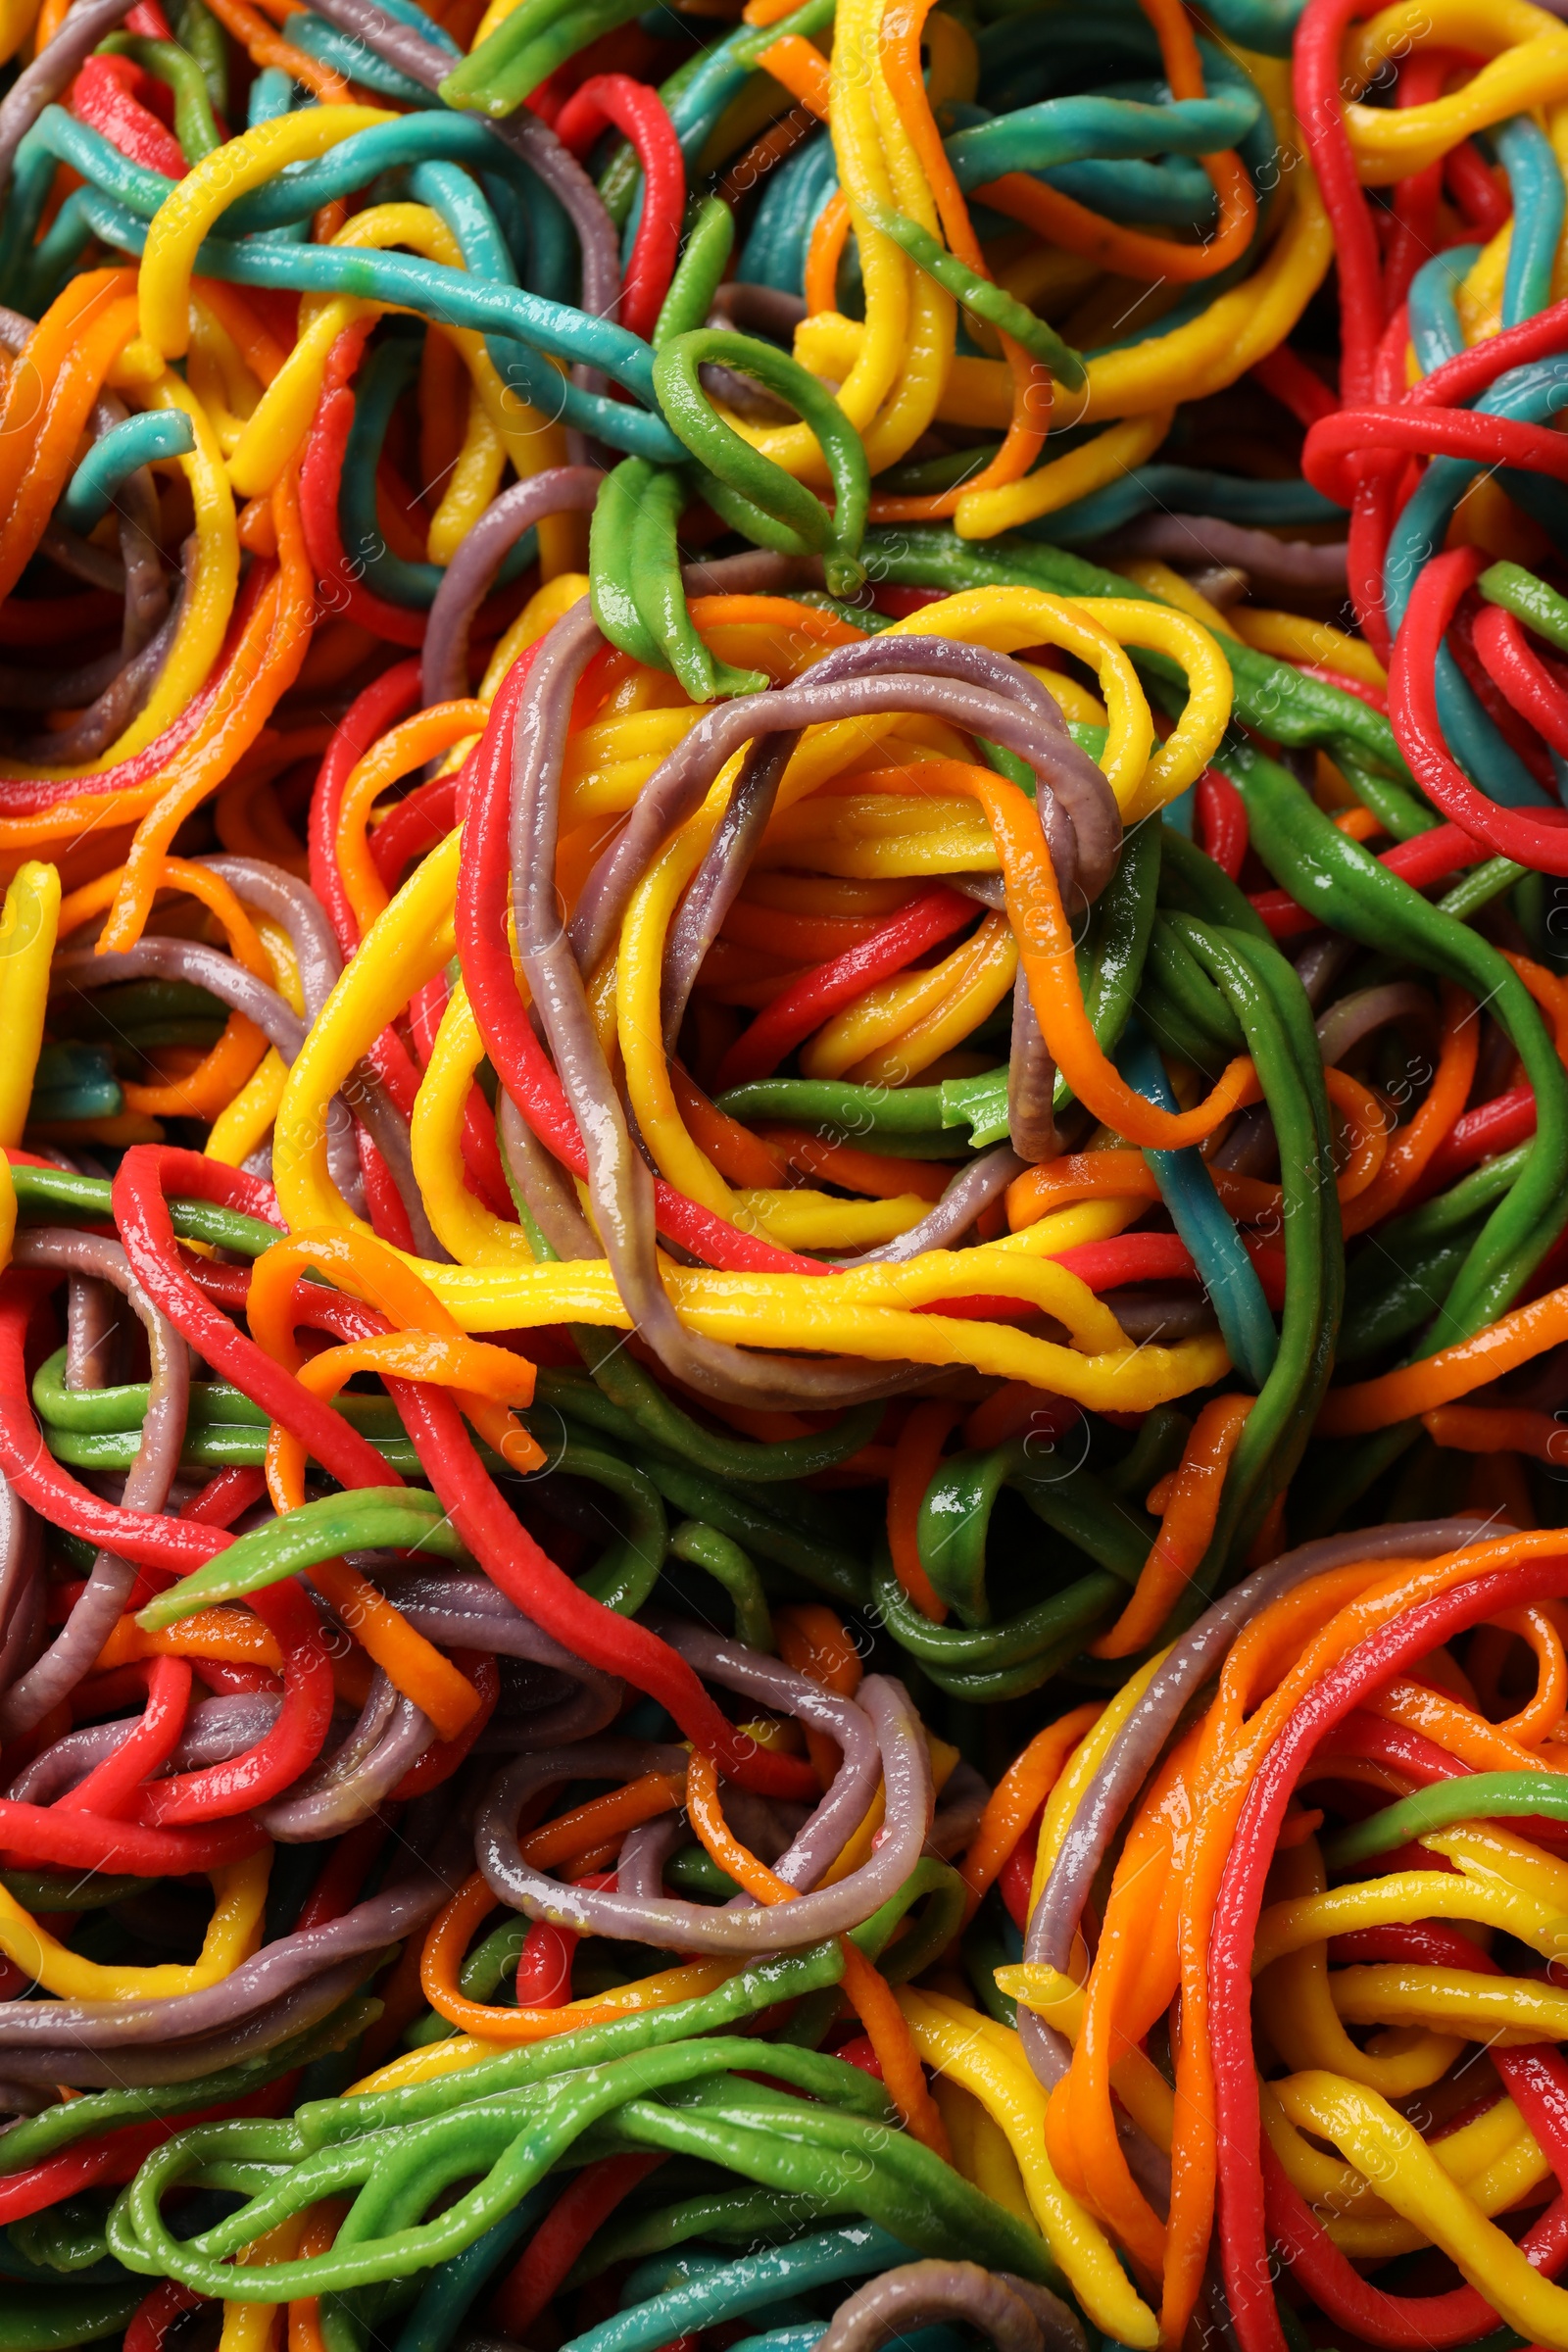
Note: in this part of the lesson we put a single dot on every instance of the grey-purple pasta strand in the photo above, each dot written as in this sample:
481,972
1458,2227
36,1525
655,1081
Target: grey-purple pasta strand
1250,1149
1015,2316
582,1715
1031,1081
463,1612
147,602
640,1868
716,883
25,1621
1153,1312
113,709
57,63
823,1837
964,1798
1197,1656
1077,812
388,1741
85,561
215,1729
599,246
97,1609
89,2068
155,955
1274,563
359,1742
470,574
971,1190
278,1969
544,1185
367,1099
21,1579
676,1926
756,310
90,1331
1350,1018
619,1181
65,689
742,393
112,682
146,609
295,905
755,570
1320,963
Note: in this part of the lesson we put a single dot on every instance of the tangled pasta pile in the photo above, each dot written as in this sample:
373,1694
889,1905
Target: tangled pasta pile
783,1166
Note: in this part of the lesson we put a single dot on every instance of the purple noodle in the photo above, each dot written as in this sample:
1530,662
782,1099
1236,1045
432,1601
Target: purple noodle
715,885
1350,1018
86,2068
219,974
114,709
1031,1077
964,1798
756,310
740,392
754,571
15,1523
145,624
946,1224
140,576
1151,1311
466,1612
215,1729
367,1099
1136,1749
295,905
470,574
1320,962
91,1331
139,525
640,1869
608,1759
581,1715
1275,563
344,1788
538,1175
76,1648
1030,1073
1015,2316
21,1585
148,632
114,685
683,1927
1251,1147
981,691
19,2099
83,26
278,1969
823,1836
524,132
619,1183
1031,1081
85,561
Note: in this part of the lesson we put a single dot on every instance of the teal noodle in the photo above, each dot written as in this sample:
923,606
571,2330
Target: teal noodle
538,330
